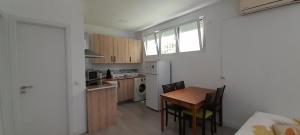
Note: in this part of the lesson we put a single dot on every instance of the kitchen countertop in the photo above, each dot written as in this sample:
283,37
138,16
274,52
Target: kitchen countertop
107,83
123,77
100,87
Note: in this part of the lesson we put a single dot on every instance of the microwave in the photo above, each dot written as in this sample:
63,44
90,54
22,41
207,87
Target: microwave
92,75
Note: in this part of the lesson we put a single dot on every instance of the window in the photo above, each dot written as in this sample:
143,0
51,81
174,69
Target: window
189,37
150,45
186,37
168,42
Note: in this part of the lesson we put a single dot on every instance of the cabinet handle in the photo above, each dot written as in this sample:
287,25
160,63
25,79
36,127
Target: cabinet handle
111,59
115,59
130,58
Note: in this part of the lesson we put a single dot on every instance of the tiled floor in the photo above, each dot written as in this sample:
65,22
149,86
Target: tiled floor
136,119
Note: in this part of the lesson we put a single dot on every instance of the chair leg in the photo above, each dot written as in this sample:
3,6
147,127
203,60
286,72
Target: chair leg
221,116
203,127
183,121
175,115
190,123
180,125
215,121
167,117
212,125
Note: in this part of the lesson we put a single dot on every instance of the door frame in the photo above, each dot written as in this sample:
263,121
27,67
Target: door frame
13,21
5,97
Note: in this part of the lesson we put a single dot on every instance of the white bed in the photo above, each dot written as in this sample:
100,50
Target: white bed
264,119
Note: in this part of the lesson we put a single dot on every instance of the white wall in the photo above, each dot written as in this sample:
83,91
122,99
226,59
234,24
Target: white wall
2,68
261,63
108,31
66,12
258,55
200,68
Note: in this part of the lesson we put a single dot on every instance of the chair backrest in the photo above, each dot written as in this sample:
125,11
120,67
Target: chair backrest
180,85
208,102
209,99
219,95
169,87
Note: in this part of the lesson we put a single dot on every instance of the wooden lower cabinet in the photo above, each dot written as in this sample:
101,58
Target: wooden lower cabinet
125,90
101,109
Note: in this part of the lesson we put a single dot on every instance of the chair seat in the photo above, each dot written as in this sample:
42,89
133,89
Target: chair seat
199,113
174,107
214,107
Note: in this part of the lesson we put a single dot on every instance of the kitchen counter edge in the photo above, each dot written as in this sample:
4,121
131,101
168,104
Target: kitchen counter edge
100,87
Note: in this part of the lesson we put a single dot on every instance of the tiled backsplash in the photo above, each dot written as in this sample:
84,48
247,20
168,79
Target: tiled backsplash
118,71
114,68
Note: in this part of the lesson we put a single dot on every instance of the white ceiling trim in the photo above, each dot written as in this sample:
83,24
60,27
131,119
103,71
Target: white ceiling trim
206,3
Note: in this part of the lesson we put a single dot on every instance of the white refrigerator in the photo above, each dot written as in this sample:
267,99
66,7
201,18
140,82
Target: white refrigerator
157,74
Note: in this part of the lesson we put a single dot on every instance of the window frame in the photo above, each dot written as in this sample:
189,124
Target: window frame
202,41
199,35
176,40
146,44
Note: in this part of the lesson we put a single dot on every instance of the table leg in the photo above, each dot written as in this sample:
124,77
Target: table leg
194,124
162,111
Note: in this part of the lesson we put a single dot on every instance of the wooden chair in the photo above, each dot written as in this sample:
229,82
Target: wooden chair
217,107
180,85
203,114
172,109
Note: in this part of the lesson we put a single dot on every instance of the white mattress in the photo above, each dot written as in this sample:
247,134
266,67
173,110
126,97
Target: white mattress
264,119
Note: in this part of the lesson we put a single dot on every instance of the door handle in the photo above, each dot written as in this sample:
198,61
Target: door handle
24,89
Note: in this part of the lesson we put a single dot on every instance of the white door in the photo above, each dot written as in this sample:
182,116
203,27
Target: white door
152,91
40,79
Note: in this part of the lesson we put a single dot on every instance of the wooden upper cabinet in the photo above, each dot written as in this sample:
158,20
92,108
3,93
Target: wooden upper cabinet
135,51
120,50
116,49
103,45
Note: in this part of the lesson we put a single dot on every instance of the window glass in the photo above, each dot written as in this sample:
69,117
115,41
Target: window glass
189,37
150,45
168,42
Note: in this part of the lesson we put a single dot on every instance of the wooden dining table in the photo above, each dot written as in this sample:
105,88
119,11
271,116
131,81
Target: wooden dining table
191,98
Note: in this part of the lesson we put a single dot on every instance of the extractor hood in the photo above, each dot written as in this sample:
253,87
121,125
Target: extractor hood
91,54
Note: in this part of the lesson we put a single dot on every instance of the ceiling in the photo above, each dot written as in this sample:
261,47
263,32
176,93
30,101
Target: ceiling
136,15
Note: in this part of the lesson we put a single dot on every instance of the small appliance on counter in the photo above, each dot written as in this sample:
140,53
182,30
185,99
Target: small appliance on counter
108,74
93,77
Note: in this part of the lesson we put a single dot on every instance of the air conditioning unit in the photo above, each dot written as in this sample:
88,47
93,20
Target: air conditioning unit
251,6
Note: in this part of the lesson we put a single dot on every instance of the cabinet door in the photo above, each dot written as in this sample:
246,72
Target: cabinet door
103,45
138,54
135,51
125,90
120,91
120,50
101,109
129,89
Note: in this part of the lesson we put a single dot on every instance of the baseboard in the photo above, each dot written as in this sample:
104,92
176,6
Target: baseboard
232,125
83,134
